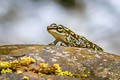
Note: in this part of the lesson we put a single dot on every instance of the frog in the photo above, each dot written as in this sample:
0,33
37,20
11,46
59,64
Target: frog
68,38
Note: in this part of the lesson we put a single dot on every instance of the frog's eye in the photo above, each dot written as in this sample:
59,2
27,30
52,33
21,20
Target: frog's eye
60,28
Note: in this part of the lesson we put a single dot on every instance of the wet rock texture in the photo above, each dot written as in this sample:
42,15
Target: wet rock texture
88,64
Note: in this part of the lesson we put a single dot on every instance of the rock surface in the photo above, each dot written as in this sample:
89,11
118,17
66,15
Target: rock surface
88,64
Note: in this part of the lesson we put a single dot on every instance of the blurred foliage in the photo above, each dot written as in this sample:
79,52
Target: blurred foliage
72,4
67,3
36,0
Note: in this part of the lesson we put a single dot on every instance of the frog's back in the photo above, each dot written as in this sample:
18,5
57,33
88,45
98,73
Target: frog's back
88,44
82,42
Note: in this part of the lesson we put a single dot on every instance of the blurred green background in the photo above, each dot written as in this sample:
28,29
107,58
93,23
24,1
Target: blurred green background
25,21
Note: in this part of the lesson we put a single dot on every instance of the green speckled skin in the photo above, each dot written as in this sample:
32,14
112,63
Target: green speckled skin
69,38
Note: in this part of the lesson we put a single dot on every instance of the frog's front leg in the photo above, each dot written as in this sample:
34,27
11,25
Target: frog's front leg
54,42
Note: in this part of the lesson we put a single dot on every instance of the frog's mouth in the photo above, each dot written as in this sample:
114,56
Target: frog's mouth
50,28
58,36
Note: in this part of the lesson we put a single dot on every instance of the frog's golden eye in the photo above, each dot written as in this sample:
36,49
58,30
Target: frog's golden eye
60,28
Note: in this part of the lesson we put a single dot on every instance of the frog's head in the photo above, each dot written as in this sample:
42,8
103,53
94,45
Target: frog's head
58,32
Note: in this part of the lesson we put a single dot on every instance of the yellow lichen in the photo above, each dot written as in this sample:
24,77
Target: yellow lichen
88,72
49,79
4,65
26,61
84,75
25,78
47,69
40,74
15,64
19,72
54,69
43,68
68,73
6,71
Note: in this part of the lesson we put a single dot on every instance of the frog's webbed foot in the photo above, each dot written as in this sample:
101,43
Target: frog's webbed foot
53,43
63,44
58,43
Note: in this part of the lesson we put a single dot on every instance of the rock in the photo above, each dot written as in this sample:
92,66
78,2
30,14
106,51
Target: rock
73,63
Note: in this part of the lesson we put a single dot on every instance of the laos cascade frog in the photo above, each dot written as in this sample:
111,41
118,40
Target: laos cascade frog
69,38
